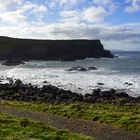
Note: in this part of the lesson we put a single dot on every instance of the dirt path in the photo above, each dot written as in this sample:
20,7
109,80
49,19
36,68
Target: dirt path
89,128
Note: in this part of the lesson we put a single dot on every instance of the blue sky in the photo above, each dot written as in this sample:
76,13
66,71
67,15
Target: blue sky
115,22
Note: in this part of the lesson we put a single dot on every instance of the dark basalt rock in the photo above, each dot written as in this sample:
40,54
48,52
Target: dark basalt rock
92,68
78,68
121,95
128,84
4,86
11,62
65,50
45,82
27,92
107,94
100,84
96,92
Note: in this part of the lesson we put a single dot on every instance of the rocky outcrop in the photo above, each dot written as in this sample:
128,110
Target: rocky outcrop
11,62
27,49
80,68
77,68
92,68
51,94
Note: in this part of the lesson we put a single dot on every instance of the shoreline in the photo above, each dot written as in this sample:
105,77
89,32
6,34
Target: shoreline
111,73
17,90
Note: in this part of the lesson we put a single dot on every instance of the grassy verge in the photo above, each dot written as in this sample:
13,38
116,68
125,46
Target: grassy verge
12,128
126,117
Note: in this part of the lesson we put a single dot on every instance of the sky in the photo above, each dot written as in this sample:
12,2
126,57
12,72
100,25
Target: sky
115,22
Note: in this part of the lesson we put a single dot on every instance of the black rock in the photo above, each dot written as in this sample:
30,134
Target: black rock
87,95
121,95
107,94
88,98
49,89
96,92
113,91
45,82
92,68
18,82
12,62
27,92
4,86
78,68
100,84
129,84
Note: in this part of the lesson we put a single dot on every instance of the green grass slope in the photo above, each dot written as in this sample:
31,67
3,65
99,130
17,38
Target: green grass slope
12,128
126,117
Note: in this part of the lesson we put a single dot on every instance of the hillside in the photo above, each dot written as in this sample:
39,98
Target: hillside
29,49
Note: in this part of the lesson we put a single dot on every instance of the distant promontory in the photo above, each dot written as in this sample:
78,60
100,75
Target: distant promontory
66,50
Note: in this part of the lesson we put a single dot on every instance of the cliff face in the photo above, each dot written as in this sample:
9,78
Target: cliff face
28,49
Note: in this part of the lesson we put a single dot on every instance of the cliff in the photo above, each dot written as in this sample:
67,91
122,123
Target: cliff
29,49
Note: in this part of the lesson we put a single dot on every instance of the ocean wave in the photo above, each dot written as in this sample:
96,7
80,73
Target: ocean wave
109,73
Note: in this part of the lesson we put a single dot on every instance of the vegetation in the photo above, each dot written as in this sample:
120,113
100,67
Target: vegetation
126,117
12,128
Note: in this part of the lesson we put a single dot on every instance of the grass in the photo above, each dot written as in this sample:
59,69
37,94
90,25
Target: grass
12,128
126,117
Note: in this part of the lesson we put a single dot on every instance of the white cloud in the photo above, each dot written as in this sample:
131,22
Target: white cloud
94,14
13,17
90,15
22,13
134,6
108,4
39,11
67,14
70,16
25,20
64,4
4,4
124,35
73,31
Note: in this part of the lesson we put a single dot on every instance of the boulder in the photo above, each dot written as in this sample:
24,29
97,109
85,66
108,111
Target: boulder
107,94
121,95
18,82
88,98
4,86
44,82
100,84
128,84
96,92
92,68
78,68
49,89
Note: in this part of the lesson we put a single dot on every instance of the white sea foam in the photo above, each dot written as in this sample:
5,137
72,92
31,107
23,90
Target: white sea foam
54,72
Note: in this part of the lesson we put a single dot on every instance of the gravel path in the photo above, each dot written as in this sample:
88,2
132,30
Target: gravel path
89,128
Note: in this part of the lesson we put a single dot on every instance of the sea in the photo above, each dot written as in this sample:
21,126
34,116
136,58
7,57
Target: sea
121,73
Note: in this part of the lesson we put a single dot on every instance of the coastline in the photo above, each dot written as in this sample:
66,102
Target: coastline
16,90
117,73
111,110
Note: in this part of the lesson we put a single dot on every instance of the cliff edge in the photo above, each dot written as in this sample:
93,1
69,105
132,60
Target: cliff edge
30,49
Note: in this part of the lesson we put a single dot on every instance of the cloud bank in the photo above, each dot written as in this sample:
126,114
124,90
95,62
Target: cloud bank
70,19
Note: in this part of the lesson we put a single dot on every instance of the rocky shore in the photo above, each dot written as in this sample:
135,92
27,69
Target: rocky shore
16,90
